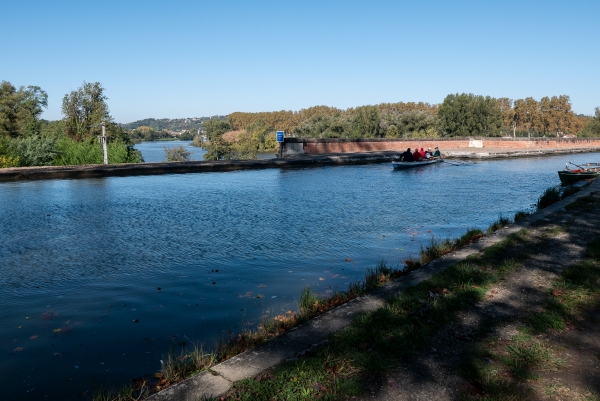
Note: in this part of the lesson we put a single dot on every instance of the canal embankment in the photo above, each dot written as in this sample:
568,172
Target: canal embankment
295,160
510,312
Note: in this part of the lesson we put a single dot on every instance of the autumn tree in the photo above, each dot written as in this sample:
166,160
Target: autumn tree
84,110
509,117
527,114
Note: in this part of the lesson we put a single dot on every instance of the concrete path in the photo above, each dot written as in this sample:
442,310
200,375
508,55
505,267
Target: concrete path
219,379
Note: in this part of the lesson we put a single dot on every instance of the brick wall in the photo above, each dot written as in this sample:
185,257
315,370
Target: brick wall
320,146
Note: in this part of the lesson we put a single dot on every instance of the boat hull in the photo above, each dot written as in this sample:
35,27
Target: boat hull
569,177
407,165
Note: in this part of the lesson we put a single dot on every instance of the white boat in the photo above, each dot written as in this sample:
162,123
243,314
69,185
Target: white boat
405,165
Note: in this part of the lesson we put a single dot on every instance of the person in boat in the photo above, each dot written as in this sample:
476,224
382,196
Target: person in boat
437,152
428,153
417,155
407,156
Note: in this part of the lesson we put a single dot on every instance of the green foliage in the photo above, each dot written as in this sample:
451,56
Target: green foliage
550,196
498,224
33,150
260,136
469,115
71,152
186,136
216,128
177,154
172,124
84,109
592,128
217,149
20,109
144,133
366,124
324,126
414,124
8,161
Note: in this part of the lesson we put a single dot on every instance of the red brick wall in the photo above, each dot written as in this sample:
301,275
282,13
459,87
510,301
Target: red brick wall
347,146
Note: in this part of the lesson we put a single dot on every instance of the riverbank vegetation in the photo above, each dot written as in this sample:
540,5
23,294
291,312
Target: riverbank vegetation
27,140
459,115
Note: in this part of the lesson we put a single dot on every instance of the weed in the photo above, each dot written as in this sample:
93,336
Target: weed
521,214
553,231
568,191
549,197
498,224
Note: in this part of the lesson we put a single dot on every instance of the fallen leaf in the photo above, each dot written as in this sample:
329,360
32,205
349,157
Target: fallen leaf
348,260
260,296
57,330
33,337
556,292
321,279
18,349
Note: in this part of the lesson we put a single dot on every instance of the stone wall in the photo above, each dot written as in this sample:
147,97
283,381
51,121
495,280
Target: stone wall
322,146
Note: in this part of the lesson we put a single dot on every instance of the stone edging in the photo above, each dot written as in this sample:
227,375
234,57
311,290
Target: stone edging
220,378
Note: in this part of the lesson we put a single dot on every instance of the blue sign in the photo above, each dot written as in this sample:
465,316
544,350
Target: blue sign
280,136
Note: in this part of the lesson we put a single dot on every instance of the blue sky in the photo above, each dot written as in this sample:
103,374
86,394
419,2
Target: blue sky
199,58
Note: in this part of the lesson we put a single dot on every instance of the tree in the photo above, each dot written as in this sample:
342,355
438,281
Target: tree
216,128
84,109
366,123
20,109
470,115
177,154
509,118
592,128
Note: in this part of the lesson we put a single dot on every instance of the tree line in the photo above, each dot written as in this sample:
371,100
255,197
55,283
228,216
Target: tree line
459,115
28,140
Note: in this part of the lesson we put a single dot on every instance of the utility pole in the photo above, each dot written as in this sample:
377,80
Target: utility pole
103,140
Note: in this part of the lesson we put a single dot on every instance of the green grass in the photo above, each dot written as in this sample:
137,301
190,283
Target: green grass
513,364
549,197
584,203
498,224
521,214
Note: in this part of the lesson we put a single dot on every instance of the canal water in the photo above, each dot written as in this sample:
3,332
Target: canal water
101,277
154,151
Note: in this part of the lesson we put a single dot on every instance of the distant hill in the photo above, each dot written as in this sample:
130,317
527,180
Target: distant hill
172,124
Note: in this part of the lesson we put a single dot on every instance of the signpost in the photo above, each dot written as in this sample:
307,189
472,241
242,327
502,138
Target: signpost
280,139
102,139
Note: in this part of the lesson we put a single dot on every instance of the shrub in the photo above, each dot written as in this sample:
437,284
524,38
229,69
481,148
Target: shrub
550,196
33,150
177,154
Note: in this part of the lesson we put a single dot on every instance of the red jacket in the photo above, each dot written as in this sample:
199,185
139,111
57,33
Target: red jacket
417,156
